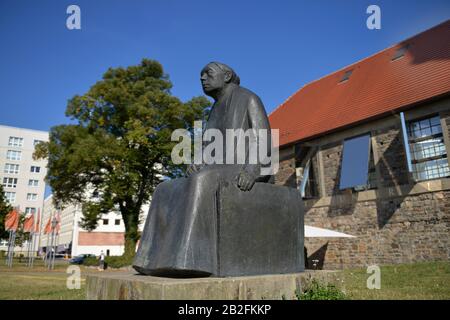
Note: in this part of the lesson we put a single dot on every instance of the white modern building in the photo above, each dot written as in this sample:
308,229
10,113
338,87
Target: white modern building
74,240
21,176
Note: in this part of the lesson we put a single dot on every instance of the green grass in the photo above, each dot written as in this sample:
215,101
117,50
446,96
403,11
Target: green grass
418,281
429,280
38,283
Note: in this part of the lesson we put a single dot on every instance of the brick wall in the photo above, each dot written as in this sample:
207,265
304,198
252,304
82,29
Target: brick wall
392,164
101,238
398,228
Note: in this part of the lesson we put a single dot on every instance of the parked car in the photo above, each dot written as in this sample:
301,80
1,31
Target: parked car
80,258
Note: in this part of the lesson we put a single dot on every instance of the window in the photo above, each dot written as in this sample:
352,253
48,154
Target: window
35,142
15,142
355,163
305,166
428,155
11,197
13,155
11,168
35,169
105,222
32,196
30,210
372,177
33,183
117,222
400,52
346,75
10,182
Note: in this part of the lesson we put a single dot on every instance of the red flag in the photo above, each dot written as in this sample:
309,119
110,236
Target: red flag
48,226
28,224
37,226
12,220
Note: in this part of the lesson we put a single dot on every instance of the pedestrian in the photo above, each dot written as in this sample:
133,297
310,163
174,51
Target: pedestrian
101,266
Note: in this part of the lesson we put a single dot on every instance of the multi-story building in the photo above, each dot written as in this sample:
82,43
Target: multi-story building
21,176
367,146
74,240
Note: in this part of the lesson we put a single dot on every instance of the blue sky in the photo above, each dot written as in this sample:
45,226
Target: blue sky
275,46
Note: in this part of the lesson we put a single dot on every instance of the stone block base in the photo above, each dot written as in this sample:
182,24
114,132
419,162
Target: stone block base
130,286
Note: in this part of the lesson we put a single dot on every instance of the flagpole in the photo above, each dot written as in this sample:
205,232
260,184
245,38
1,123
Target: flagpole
54,249
33,239
9,248
49,262
13,242
41,219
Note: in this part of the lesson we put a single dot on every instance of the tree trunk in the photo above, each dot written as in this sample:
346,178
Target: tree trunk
131,220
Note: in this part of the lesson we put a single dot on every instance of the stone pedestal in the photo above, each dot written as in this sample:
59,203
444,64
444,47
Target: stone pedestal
130,286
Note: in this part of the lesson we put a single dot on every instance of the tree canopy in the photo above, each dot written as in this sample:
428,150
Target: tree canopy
119,147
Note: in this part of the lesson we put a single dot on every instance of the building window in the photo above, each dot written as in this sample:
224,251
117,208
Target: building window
372,177
30,210
400,52
427,149
35,142
346,75
15,142
35,169
11,197
105,222
13,155
117,222
33,183
32,196
11,168
355,163
10,182
305,165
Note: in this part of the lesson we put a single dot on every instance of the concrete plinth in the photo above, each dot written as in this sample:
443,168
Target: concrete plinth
130,286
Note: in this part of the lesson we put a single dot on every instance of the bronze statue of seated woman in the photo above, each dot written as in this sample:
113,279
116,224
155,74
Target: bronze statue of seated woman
224,219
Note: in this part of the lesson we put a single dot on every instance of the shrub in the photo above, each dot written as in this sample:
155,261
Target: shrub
317,291
118,261
90,261
2,254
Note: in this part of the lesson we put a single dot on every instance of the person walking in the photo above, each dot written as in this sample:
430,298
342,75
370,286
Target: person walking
101,266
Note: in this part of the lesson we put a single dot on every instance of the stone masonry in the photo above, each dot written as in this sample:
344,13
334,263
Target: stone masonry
399,221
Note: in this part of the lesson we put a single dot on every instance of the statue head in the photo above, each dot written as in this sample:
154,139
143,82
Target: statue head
215,77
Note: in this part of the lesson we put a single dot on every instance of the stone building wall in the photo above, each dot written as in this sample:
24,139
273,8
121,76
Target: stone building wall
398,222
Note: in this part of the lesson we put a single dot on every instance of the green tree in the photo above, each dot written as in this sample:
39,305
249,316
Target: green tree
5,208
119,148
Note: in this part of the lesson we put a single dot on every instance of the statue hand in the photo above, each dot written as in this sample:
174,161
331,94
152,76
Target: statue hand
245,181
192,169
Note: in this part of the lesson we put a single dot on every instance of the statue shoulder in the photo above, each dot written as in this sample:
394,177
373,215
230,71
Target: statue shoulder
249,95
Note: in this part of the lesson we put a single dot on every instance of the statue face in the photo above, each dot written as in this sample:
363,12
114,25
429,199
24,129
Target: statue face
213,79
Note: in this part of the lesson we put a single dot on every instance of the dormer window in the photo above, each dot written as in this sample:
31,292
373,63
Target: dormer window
400,53
346,75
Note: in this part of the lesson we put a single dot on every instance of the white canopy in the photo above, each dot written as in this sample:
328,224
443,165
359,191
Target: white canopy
314,232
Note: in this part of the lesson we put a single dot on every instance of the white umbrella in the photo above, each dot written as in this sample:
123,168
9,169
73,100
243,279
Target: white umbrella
314,232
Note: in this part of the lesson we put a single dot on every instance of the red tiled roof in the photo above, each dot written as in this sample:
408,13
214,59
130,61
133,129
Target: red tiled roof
376,87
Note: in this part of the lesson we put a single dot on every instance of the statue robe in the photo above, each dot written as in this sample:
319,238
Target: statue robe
179,237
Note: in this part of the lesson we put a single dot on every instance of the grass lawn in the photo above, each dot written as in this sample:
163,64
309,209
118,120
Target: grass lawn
418,281
38,283
429,280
